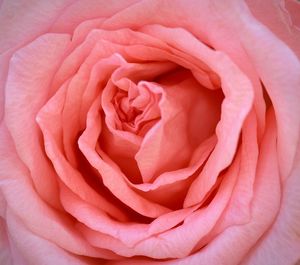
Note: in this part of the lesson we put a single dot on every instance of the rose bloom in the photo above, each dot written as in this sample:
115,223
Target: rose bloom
149,132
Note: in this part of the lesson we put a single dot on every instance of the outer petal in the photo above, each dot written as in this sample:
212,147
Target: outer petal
280,75
80,11
32,249
26,90
281,245
281,17
22,21
23,200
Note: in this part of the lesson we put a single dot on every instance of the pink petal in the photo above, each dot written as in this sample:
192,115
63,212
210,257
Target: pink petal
111,175
26,90
23,21
93,221
72,112
180,241
192,17
280,76
282,19
176,183
49,119
22,200
77,12
281,244
183,126
33,249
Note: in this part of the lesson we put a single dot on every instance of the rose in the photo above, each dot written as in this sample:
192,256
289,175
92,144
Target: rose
54,208
203,95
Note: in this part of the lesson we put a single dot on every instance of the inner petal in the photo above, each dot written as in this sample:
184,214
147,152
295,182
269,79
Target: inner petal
136,108
183,126
130,109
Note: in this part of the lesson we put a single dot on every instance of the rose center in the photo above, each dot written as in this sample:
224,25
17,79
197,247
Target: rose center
136,107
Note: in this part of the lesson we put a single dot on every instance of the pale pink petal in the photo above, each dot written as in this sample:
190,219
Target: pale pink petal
281,17
22,199
199,156
26,90
239,207
280,76
79,11
280,245
85,39
30,248
91,220
163,52
22,21
99,74
238,210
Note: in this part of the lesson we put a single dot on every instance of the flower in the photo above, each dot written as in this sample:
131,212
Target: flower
149,132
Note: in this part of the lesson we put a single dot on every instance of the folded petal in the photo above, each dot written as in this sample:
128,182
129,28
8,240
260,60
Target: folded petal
23,200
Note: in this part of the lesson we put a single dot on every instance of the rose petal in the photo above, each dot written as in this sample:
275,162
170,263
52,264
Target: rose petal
111,175
279,78
22,200
183,126
281,243
180,241
22,21
174,184
45,252
72,110
49,120
77,12
281,19
126,235
26,90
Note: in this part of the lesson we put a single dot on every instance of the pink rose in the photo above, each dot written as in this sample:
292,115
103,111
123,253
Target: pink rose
149,132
